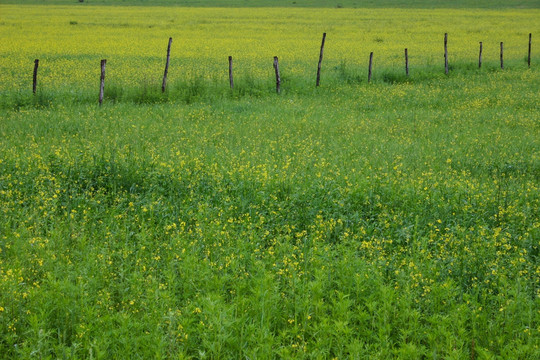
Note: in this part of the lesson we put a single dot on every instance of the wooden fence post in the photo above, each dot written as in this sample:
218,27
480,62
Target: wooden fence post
406,62
446,53
480,56
278,79
502,63
231,82
370,63
102,85
529,57
320,60
34,82
166,66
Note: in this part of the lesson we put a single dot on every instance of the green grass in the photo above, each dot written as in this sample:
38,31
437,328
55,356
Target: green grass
391,220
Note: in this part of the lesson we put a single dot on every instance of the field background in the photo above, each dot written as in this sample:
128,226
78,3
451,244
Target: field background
413,4
397,219
70,41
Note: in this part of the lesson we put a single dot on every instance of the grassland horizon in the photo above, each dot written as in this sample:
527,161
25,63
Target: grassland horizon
339,4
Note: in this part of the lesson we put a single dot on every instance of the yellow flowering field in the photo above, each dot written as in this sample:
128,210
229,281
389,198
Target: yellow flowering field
70,41
392,220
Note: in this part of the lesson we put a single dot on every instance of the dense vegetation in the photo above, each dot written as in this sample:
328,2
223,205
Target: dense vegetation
397,219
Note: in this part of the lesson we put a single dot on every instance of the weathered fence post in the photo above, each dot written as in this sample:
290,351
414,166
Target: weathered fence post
480,56
34,82
446,53
231,82
406,62
102,85
320,60
529,57
502,63
278,79
166,66
370,63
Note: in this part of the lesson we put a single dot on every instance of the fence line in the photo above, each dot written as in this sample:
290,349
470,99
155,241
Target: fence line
102,81
529,57
166,66
406,62
276,66
446,53
502,61
34,78
369,68
231,82
278,78
480,56
320,60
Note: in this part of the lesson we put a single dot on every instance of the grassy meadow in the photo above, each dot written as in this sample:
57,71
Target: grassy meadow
395,219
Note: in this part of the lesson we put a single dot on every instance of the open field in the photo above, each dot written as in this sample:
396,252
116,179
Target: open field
397,219
362,4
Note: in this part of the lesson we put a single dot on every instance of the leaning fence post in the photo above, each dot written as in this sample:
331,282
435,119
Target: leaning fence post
446,53
370,63
102,85
502,63
231,82
320,60
278,79
166,66
34,82
480,56
529,57
406,62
